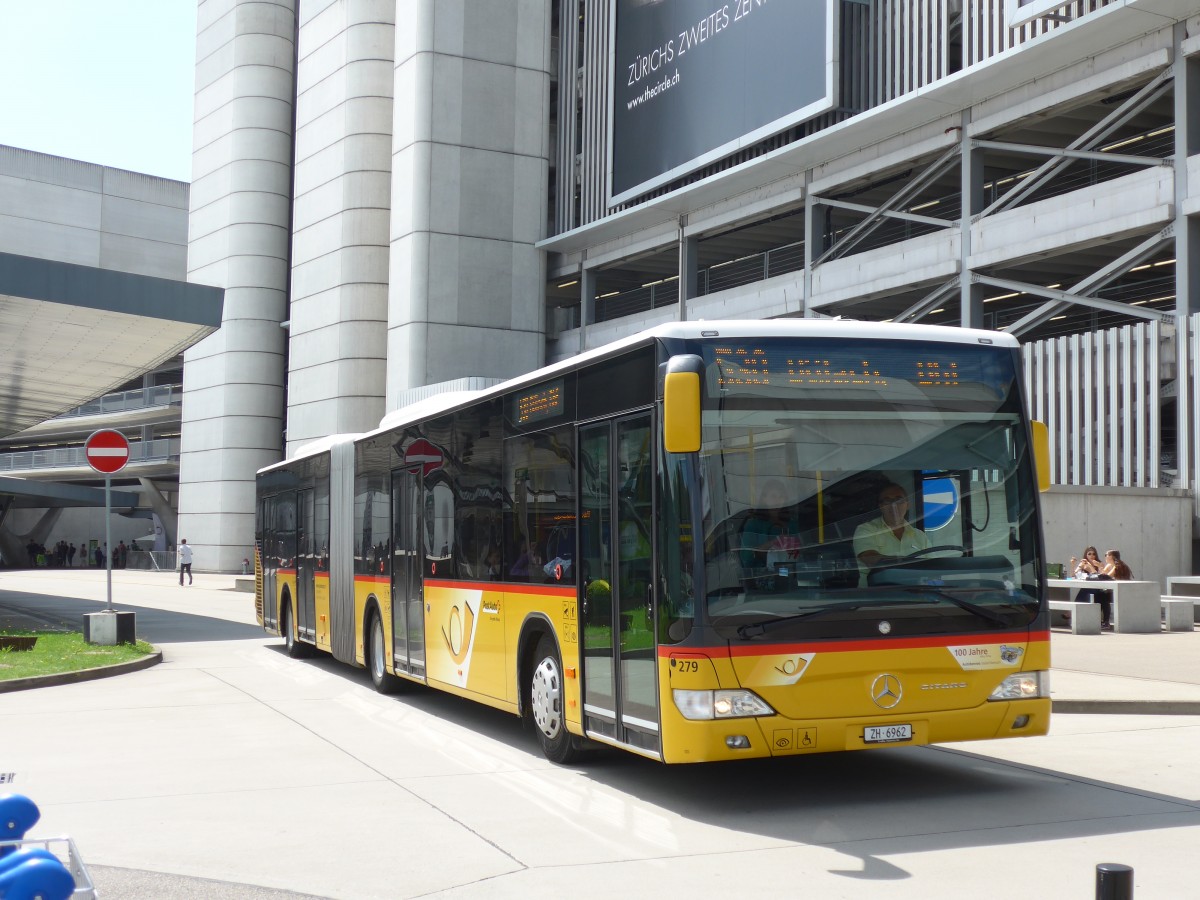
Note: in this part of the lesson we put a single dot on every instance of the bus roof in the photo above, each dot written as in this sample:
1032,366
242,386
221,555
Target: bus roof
312,448
730,328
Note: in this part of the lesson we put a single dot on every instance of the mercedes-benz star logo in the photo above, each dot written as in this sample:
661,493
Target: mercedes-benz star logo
886,691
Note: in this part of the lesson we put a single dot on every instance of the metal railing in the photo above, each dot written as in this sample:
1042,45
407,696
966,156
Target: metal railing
163,450
126,401
152,560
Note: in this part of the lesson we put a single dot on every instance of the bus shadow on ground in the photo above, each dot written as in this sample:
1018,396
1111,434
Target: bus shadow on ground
867,805
48,611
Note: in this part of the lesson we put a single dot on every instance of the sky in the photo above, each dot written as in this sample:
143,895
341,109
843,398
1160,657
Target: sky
103,81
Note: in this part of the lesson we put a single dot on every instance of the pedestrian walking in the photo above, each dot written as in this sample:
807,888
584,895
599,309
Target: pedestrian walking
185,561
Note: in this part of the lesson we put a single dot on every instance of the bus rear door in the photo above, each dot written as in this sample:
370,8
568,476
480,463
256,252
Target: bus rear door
408,599
305,566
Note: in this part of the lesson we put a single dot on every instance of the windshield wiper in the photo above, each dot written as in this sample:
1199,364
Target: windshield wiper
981,611
757,628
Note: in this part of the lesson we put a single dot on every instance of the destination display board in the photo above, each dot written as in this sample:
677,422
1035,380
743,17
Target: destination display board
879,370
750,365
539,404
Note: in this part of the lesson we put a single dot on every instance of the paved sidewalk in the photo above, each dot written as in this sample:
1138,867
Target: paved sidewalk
1105,673
1126,673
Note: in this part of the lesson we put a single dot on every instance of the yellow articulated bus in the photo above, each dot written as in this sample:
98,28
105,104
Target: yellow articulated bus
709,541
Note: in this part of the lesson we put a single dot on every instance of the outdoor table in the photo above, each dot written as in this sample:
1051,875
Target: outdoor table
1136,605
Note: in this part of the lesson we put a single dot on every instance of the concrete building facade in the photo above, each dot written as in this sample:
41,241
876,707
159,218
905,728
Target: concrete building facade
426,195
369,186
97,312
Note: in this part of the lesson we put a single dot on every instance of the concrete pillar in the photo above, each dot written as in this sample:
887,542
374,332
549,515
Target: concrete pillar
238,239
337,349
1187,264
689,261
814,241
587,304
970,293
470,164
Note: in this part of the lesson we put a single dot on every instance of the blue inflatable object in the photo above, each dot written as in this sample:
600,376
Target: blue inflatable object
29,875
17,815
13,860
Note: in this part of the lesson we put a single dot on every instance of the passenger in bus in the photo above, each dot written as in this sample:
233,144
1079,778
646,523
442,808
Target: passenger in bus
492,563
526,563
769,534
886,540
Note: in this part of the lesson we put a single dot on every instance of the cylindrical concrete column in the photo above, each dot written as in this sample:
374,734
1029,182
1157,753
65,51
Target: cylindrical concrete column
238,239
470,164
338,334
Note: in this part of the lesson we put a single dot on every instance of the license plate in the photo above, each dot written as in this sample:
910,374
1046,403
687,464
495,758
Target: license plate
886,734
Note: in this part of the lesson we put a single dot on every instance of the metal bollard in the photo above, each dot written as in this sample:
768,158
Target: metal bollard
1114,881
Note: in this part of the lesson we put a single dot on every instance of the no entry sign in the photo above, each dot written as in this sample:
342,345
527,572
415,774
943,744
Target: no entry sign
107,451
424,454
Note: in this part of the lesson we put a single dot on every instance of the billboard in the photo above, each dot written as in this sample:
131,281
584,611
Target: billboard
694,80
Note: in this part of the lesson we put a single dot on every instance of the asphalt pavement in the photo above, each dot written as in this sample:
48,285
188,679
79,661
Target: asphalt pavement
1126,675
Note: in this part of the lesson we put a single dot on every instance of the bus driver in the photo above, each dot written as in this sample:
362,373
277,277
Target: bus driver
889,538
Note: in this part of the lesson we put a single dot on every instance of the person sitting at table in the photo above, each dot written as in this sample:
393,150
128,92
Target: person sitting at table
1114,569
1088,564
769,529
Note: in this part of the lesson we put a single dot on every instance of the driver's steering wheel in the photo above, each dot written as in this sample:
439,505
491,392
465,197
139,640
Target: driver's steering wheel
937,549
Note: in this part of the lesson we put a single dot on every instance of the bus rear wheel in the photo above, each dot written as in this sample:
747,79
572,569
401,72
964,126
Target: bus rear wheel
384,681
547,702
295,649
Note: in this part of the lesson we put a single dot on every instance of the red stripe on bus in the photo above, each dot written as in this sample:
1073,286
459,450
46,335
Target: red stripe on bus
837,645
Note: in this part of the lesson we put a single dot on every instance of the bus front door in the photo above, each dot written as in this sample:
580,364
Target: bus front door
408,599
616,581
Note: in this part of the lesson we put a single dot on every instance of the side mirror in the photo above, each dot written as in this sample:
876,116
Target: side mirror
681,404
1041,453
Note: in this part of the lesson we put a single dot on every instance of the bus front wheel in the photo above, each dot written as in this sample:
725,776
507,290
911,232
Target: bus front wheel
547,702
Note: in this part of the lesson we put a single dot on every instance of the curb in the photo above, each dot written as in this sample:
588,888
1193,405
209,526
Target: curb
1126,707
38,681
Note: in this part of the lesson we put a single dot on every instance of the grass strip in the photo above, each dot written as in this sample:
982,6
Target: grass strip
56,652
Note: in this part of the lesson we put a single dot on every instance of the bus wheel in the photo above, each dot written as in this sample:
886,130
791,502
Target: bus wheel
546,704
384,681
294,648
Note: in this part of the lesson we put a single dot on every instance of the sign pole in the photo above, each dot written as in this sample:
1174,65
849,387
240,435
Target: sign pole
108,535
107,452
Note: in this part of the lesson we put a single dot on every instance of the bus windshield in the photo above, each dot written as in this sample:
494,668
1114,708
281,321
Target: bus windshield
865,488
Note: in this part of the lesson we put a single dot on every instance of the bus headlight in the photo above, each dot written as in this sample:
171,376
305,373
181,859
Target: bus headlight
1023,686
720,704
